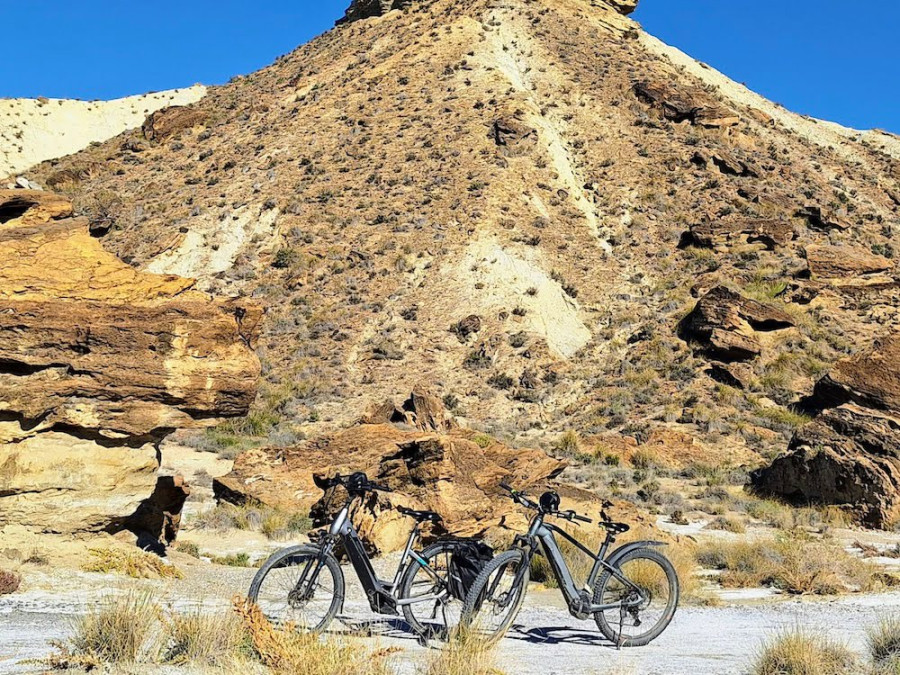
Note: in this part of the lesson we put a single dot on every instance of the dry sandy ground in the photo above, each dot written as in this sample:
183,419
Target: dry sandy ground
35,130
545,641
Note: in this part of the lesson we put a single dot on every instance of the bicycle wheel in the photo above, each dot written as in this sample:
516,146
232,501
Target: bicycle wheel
288,591
655,603
439,615
495,599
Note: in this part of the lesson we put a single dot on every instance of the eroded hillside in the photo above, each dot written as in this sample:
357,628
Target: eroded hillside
517,202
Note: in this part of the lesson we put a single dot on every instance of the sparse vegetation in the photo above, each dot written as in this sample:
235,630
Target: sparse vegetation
134,563
273,523
797,652
794,563
466,653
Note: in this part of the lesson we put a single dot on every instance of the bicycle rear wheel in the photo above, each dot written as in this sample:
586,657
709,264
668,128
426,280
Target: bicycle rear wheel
647,609
495,598
292,588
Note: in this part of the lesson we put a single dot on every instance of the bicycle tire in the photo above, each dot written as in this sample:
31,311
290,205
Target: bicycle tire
478,597
281,559
408,578
604,582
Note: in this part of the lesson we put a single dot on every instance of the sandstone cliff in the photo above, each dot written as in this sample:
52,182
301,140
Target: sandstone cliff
98,363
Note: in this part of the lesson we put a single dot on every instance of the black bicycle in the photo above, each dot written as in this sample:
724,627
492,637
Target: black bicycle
632,594
304,585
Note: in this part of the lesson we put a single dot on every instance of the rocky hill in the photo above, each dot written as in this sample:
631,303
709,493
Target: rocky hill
532,206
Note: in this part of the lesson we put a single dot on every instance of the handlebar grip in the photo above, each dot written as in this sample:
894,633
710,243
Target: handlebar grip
381,488
583,519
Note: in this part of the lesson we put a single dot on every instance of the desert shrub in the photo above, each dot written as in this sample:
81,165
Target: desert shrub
798,653
796,564
645,458
727,525
293,653
9,582
135,564
233,560
466,653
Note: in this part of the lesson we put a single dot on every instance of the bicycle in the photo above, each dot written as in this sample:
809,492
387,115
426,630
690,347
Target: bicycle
623,590
304,585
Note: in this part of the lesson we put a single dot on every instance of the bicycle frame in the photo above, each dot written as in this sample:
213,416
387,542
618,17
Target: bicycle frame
382,595
543,533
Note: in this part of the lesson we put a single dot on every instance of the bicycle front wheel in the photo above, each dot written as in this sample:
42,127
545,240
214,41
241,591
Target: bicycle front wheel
433,612
644,604
495,598
299,587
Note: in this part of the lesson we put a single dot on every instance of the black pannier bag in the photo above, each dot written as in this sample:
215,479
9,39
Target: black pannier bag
466,562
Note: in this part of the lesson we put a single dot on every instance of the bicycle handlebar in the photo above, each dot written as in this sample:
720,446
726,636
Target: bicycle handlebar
521,498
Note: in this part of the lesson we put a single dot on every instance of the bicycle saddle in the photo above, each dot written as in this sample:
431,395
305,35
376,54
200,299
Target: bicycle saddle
420,516
616,528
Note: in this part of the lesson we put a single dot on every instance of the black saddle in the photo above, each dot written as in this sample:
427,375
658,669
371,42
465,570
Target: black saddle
420,516
615,528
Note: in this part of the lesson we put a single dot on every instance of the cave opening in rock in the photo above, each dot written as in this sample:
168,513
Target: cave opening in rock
14,208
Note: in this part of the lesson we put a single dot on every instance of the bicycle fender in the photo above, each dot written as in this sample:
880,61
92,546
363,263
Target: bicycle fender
628,548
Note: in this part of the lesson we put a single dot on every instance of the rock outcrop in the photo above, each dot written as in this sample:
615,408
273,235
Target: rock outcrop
726,324
366,9
844,262
770,232
455,473
850,454
169,122
98,362
685,104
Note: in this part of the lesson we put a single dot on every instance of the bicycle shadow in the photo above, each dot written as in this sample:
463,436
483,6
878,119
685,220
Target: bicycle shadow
555,635
396,629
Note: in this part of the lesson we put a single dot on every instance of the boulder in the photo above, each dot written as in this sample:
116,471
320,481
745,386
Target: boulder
822,219
685,104
725,324
98,363
770,232
422,410
455,473
168,122
844,262
850,454
624,7
848,457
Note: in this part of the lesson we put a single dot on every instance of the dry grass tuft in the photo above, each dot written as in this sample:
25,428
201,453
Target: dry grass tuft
796,563
884,645
208,639
290,652
9,582
798,653
135,564
121,630
466,653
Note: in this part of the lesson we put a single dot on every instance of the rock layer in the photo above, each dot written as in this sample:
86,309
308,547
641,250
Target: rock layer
98,362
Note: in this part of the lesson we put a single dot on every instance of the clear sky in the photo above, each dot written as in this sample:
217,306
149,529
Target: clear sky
833,59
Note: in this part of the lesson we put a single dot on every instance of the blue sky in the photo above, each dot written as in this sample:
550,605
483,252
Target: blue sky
820,57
